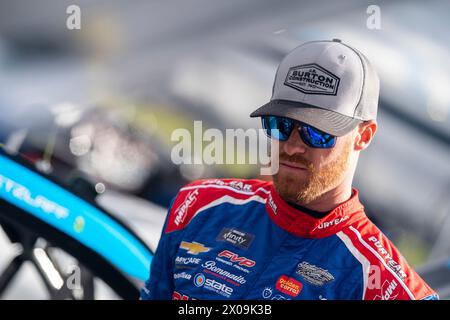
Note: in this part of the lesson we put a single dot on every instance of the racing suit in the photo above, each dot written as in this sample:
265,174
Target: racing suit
237,239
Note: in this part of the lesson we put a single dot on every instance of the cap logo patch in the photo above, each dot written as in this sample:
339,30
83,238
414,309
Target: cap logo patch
312,79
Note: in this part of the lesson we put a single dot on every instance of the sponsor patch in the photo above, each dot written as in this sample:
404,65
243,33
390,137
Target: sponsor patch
187,260
392,264
182,210
239,239
179,296
312,79
313,274
199,279
233,257
194,247
267,293
239,185
289,286
182,275
231,264
387,291
235,184
212,269
332,223
272,204
210,284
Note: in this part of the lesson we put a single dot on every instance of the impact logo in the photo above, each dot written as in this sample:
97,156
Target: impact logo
312,79
181,212
388,291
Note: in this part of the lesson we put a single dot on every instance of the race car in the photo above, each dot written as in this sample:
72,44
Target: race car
71,243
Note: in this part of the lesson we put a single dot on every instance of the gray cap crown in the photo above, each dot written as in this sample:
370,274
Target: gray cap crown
326,84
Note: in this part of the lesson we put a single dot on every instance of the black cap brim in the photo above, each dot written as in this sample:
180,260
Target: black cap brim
328,121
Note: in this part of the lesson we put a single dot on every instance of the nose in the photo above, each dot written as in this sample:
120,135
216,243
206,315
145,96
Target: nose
294,144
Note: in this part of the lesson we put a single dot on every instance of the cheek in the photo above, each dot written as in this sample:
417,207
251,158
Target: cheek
323,158
328,156
341,153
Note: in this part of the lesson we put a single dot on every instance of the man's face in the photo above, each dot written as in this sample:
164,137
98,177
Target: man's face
306,173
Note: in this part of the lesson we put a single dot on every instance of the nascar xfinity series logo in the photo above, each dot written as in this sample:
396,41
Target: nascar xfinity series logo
312,79
239,239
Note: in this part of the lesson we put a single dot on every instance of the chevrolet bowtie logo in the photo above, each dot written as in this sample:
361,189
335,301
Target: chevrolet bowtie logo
193,247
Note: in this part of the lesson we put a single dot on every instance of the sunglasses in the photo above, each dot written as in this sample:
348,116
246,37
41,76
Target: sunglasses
280,128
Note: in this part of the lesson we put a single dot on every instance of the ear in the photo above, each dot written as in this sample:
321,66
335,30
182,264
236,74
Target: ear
365,134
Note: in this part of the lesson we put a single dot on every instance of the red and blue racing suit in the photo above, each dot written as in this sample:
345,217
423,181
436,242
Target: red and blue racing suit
237,239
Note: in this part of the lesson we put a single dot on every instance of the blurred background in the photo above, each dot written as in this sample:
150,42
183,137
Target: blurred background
95,107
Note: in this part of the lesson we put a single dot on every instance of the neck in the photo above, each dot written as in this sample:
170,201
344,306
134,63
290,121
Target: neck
330,199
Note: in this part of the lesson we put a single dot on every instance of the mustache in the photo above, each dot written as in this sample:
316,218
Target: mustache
296,158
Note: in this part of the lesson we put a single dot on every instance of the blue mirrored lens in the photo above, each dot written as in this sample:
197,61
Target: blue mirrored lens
278,127
316,138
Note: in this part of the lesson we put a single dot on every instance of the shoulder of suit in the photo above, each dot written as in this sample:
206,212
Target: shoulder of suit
200,194
387,274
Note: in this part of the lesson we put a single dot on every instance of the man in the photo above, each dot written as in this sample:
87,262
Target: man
304,236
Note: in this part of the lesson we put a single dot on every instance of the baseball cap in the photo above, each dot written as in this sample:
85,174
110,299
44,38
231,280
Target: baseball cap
326,84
